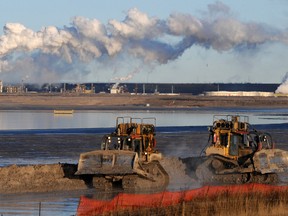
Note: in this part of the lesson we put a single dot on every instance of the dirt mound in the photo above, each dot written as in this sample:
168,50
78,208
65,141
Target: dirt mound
60,177
39,178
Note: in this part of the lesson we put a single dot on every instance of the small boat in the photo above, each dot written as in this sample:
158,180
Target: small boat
60,112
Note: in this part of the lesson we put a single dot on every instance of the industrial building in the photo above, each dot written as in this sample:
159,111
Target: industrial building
240,93
11,88
215,89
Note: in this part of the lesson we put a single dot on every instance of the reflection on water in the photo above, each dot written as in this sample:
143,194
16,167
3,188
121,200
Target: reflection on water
60,207
10,120
53,204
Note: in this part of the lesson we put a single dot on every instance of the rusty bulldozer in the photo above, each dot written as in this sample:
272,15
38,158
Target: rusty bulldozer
128,158
237,153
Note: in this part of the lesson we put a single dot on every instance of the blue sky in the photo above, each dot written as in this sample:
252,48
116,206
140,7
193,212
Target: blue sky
258,56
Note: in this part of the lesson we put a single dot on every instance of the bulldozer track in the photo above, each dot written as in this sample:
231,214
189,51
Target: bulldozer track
206,174
102,183
134,182
159,182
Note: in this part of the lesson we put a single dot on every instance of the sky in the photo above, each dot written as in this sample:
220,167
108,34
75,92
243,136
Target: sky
196,41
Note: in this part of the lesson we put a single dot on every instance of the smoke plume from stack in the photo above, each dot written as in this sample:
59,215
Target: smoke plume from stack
283,88
53,53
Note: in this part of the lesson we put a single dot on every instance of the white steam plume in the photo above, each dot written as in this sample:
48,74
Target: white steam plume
62,51
283,88
129,76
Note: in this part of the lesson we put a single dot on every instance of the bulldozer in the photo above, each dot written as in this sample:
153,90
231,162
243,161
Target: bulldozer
128,158
238,153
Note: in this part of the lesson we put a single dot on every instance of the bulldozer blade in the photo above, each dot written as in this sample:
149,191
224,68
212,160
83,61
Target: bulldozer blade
139,170
112,162
271,161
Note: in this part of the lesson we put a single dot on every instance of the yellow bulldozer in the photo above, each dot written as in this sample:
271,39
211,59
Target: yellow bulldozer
128,158
238,153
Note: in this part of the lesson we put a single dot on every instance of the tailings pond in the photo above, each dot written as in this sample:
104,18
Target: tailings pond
41,137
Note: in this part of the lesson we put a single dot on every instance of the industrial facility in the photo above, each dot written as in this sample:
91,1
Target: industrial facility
205,89
240,93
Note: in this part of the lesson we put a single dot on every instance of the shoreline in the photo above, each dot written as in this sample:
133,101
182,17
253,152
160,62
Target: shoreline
107,130
54,101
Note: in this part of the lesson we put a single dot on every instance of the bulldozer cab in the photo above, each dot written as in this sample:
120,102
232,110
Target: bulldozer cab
132,134
230,136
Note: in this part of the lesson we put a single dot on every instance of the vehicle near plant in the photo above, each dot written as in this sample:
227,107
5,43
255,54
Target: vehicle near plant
238,153
128,158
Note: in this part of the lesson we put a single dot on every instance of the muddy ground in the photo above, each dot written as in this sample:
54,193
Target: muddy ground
43,151
45,174
37,178
120,101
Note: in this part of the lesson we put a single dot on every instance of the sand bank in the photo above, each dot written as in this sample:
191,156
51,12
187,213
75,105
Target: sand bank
127,101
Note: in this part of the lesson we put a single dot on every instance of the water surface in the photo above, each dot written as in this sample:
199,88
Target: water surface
21,120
